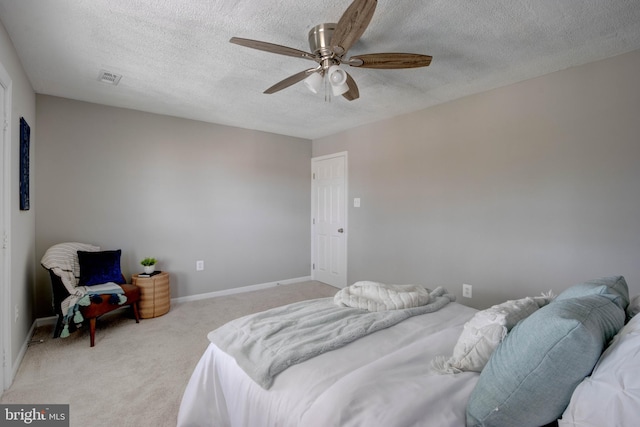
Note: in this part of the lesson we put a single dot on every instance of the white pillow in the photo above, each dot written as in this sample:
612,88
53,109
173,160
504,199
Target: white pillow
482,334
611,395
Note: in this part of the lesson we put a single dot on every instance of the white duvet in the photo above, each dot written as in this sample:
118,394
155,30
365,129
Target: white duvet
383,379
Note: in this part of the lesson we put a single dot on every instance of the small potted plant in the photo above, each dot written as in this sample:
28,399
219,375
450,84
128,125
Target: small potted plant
149,265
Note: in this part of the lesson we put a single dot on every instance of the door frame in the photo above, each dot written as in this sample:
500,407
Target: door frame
345,155
5,229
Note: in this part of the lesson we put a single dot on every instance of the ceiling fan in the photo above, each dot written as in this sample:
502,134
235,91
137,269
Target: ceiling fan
329,44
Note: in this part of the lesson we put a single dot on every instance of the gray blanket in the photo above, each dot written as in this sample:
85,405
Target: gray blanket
265,344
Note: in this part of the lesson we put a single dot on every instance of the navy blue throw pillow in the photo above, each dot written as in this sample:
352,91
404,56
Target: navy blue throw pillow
97,268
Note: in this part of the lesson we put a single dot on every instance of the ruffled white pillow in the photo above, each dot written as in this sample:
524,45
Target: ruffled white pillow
482,334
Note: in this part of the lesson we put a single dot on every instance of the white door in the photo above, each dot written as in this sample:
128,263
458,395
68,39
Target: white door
329,219
4,293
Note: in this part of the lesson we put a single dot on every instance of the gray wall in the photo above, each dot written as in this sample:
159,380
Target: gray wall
516,191
21,224
175,189
519,190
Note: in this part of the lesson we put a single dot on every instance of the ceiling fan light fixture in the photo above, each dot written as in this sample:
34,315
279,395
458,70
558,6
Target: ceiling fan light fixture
329,44
338,80
313,82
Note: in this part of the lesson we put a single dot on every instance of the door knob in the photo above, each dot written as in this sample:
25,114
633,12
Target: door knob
340,230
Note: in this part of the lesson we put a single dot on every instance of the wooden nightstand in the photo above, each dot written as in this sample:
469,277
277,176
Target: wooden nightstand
155,294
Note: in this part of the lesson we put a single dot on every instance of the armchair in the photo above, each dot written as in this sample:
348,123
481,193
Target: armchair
86,284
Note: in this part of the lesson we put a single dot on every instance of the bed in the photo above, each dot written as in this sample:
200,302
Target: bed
390,377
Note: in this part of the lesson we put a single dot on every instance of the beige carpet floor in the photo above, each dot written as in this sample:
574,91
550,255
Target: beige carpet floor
136,373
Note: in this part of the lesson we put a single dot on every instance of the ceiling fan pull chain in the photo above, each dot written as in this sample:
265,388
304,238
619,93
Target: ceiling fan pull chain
327,89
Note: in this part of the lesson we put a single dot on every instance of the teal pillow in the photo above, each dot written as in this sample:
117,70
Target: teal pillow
97,268
530,377
615,288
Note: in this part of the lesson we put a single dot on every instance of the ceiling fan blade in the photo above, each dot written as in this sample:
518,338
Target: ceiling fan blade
291,80
273,48
352,24
353,92
390,60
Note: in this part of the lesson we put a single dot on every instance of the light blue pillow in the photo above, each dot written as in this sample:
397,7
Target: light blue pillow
615,288
530,377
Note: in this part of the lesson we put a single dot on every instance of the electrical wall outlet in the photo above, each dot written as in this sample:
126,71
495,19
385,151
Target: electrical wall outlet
199,265
467,292
17,313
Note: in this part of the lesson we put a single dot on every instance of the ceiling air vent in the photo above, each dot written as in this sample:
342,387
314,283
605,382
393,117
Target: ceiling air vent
109,77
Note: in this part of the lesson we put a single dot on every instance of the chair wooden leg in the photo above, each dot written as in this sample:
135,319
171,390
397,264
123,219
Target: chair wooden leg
92,330
58,328
135,311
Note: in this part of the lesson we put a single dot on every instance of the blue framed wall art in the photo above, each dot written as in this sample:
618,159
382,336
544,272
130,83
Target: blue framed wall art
25,134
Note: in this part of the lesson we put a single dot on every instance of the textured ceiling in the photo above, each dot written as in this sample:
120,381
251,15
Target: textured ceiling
176,59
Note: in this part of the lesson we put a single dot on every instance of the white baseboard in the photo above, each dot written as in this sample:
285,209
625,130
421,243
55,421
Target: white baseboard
239,290
42,321
21,353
